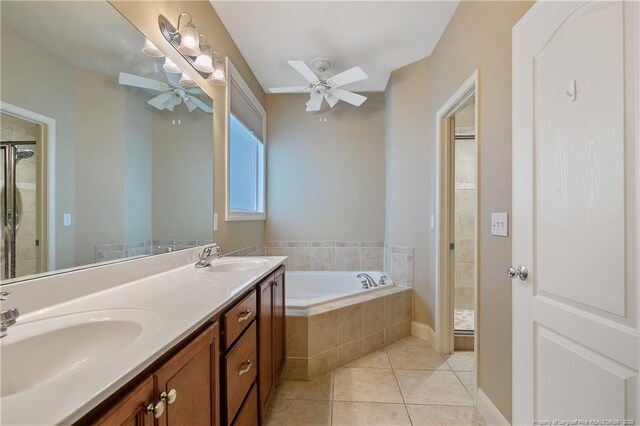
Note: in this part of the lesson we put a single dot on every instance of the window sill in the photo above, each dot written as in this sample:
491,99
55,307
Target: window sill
240,216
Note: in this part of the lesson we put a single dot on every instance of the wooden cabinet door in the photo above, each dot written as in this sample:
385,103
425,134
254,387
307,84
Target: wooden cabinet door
278,323
189,383
266,342
131,410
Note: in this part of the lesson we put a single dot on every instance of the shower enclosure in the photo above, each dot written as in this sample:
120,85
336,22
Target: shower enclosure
19,251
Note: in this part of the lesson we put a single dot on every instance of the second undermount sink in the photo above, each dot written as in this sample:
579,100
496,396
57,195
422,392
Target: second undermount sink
37,352
239,265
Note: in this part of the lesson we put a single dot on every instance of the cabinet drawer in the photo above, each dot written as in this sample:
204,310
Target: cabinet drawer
239,318
240,370
248,415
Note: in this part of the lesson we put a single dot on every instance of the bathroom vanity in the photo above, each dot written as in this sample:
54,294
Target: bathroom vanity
178,346
215,376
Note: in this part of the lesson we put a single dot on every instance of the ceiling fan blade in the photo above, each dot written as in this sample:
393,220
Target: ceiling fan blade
204,107
349,97
190,105
160,100
292,89
142,82
331,100
315,102
347,77
304,69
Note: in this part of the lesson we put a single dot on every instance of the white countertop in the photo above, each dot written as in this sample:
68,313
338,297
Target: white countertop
178,300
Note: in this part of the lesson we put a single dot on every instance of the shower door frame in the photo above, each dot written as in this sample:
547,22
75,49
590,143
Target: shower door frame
46,164
11,203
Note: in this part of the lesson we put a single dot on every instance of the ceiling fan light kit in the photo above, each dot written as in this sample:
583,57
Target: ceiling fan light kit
151,50
186,39
328,90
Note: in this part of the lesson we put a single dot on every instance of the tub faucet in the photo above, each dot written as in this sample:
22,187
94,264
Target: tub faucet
367,281
7,319
207,255
383,280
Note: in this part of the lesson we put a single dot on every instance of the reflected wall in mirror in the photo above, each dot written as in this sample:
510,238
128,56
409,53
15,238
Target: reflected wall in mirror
107,151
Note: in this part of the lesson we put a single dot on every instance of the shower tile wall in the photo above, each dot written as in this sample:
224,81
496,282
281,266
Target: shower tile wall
28,259
465,193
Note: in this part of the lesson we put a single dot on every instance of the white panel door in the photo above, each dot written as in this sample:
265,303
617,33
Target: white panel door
576,199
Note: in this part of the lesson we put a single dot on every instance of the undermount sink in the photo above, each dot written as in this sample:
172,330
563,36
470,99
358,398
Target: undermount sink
40,351
240,265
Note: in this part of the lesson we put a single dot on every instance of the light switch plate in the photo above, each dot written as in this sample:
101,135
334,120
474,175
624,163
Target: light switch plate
67,219
432,220
215,221
500,224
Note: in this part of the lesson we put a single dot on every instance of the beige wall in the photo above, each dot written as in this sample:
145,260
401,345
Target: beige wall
182,185
23,82
478,36
325,179
144,15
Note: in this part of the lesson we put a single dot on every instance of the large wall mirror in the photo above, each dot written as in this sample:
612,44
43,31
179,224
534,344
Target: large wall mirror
107,148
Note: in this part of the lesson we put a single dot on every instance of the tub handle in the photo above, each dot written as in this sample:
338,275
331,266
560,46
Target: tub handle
245,370
245,315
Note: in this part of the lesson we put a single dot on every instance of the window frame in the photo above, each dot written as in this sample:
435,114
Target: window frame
232,215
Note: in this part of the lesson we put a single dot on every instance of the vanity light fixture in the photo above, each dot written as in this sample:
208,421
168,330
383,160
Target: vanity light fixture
204,61
186,81
193,46
171,67
150,49
218,76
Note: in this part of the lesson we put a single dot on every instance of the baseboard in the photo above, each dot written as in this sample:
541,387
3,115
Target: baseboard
423,331
489,411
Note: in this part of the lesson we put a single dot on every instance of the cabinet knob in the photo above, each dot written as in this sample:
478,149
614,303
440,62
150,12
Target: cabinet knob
247,366
171,396
245,315
156,410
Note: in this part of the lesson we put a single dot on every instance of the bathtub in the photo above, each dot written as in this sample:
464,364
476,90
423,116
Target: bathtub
310,288
331,320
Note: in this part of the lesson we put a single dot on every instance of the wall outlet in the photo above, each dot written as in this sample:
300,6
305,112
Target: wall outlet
66,219
215,221
500,224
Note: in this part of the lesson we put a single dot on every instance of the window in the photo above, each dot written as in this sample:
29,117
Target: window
245,151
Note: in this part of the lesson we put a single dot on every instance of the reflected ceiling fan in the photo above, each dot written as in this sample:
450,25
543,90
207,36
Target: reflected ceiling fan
169,95
329,89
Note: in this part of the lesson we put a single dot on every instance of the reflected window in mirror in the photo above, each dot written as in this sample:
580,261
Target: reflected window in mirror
107,147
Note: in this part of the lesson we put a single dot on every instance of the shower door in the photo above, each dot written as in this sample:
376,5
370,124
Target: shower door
18,199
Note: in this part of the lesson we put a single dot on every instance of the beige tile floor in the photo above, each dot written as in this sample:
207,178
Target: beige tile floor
406,383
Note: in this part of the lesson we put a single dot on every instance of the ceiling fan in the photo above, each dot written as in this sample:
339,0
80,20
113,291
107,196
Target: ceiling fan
170,95
329,89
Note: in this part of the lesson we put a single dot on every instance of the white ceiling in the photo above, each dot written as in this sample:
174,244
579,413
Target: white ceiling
377,36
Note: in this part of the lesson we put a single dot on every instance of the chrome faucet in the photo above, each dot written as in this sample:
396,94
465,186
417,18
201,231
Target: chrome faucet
367,281
208,254
7,319
383,280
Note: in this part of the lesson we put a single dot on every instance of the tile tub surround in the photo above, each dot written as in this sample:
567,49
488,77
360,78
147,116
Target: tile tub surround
329,255
398,264
107,252
333,334
254,250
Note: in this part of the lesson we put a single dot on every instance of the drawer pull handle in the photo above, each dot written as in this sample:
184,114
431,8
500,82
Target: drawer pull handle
156,410
245,370
245,315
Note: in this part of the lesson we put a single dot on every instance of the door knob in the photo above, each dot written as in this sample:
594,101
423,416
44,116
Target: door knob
522,272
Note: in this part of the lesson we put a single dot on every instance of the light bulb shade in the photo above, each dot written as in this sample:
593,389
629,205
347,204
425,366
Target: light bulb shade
170,66
150,49
189,40
218,76
204,61
186,81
